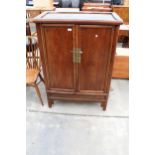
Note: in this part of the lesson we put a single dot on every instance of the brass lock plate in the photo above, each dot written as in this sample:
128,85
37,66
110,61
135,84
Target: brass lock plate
76,55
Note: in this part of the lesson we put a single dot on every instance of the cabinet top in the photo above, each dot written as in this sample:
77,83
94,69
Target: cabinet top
110,18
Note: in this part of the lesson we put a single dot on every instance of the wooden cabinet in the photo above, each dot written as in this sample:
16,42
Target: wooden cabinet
77,52
122,11
121,63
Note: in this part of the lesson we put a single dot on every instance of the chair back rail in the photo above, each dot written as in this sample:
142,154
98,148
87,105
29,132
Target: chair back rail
32,54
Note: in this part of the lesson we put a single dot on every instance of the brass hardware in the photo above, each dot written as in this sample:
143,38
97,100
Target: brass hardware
77,55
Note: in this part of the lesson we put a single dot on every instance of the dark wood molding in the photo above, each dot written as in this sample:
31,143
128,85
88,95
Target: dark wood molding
78,56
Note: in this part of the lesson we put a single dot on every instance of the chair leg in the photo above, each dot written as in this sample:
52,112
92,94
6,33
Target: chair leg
40,76
38,93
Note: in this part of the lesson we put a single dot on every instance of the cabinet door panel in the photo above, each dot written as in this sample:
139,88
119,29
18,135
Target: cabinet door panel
95,43
58,41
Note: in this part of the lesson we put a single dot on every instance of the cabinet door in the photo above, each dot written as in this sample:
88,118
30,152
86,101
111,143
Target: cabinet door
58,46
95,43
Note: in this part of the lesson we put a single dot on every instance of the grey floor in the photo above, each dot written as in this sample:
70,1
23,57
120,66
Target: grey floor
70,128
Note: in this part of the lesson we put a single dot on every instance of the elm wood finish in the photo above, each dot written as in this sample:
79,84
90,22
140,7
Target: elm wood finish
77,55
93,62
97,4
121,67
96,7
122,11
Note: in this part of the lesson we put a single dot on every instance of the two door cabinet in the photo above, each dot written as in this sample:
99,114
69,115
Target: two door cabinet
77,52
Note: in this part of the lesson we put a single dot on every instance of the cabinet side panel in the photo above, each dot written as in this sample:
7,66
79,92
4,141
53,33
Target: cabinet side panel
111,60
58,41
42,54
95,43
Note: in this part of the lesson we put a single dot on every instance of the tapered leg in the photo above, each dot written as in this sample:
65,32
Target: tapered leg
38,93
104,105
50,103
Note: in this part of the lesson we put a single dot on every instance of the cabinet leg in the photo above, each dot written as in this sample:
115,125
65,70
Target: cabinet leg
104,105
50,103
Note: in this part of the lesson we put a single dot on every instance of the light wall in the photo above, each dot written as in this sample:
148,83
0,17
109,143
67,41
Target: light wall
126,2
43,3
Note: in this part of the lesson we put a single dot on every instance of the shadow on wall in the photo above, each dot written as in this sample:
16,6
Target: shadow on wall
72,3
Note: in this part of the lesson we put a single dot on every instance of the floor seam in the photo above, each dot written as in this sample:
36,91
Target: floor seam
82,115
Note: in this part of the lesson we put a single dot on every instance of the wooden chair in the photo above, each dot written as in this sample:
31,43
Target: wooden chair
28,29
33,40
33,64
